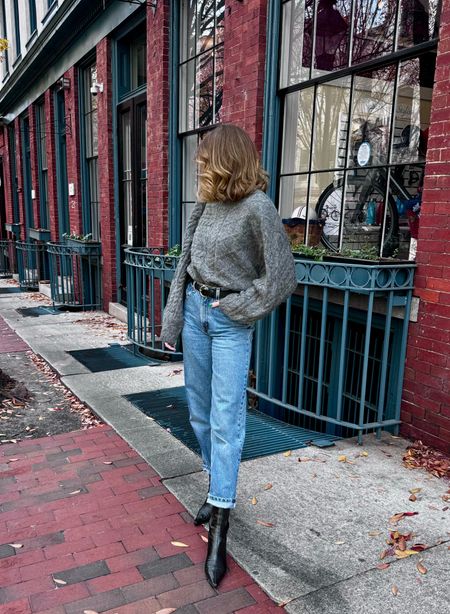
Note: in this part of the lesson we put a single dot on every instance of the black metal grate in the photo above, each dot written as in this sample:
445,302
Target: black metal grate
264,435
35,312
109,358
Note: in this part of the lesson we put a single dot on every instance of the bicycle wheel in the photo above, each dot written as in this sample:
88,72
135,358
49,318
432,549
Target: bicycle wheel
361,227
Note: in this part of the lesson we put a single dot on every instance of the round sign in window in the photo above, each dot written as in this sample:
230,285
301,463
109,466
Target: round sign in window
364,153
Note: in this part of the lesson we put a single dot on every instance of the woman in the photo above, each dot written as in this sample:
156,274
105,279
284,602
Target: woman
236,267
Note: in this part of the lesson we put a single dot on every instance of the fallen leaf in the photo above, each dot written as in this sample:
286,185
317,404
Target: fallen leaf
74,492
264,523
16,545
107,462
412,498
421,568
342,458
204,538
58,581
383,565
374,533
254,501
166,611
394,589
413,491
287,453
402,554
12,460
180,544
268,486
339,542
419,547
364,453
89,612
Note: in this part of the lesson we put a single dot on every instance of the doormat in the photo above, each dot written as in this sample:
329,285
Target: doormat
264,435
35,312
110,358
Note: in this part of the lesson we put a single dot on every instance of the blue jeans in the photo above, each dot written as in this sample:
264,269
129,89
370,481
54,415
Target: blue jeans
216,353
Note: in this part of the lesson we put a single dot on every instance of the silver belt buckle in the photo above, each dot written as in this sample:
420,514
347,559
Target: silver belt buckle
203,287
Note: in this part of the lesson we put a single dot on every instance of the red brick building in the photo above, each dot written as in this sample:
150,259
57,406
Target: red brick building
102,104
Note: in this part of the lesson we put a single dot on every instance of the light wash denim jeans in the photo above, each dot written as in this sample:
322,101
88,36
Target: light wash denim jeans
216,353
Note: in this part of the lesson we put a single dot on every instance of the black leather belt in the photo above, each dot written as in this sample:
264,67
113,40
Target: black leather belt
210,291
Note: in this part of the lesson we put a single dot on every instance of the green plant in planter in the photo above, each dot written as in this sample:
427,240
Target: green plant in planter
363,253
76,237
311,251
175,250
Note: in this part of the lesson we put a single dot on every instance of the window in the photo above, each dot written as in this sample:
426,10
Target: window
132,62
200,83
354,133
4,35
32,15
89,118
41,144
15,10
26,173
13,172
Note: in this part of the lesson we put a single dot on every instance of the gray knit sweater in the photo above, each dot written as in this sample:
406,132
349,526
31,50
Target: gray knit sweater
239,246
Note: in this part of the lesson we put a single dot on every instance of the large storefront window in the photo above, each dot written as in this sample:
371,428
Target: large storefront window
201,83
356,83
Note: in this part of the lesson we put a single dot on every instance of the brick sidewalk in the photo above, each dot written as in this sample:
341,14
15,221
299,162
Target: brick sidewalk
84,509
9,341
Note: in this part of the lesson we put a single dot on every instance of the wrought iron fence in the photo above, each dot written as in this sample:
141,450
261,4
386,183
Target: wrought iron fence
149,273
332,357
75,275
30,263
7,258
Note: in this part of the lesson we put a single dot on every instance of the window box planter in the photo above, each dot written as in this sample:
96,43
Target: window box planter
339,259
14,228
85,248
39,234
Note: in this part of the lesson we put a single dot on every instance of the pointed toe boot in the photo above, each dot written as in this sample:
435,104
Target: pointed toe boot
216,564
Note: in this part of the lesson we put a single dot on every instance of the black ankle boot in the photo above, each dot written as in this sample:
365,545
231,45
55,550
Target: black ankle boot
203,514
216,564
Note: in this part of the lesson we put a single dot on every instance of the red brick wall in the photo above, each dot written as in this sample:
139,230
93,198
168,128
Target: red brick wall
7,180
426,394
158,122
106,172
73,150
244,65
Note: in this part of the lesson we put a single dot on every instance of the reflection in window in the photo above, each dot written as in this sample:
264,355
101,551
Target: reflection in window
353,148
41,142
200,84
327,29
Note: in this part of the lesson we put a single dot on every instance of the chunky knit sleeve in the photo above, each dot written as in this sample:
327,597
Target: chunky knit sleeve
173,312
278,279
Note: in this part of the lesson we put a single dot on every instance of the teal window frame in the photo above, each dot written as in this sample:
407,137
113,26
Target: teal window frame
126,48
87,161
15,10
32,16
41,146
13,173
61,164
26,173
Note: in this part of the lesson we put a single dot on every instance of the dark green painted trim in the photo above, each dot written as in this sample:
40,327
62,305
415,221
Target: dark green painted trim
174,141
85,187
13,171
44,222
26,174
61,170
271,117
116,164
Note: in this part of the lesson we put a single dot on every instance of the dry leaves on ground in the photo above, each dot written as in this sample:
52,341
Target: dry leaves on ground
432,460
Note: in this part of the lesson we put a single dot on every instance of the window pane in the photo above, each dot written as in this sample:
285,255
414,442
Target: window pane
188,30
187,98
412,115
295,46
331,124
418,22
373,33
371,116
220,14
326,197
297,131
218,95
332,35
189,177
204,89
293,194
205,24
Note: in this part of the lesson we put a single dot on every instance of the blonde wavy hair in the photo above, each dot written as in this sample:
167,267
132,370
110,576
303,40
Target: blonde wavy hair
228,166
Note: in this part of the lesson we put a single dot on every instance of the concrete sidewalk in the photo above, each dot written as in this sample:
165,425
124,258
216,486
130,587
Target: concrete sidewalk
328,519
